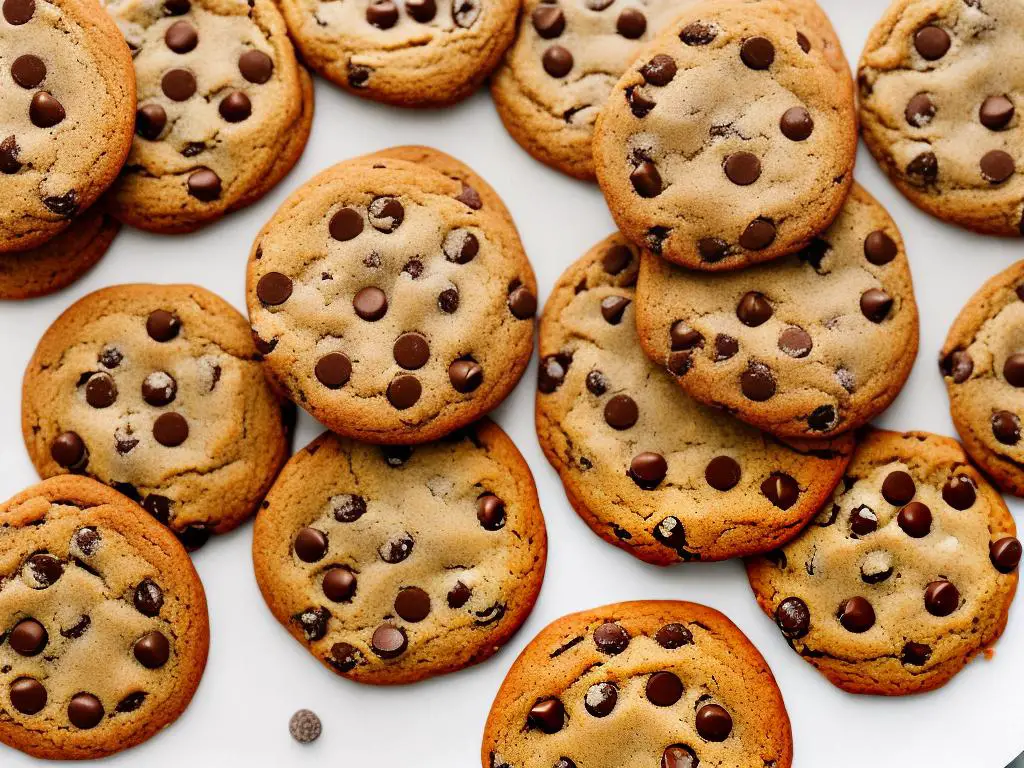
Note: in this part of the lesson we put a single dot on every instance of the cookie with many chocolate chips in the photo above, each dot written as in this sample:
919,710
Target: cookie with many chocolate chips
391,300
397,564
939,90
726,143
66,98
648,468
103,624
637,685
157,390
904,576
811,345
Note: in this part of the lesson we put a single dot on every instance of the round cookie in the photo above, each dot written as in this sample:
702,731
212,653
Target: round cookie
157,390
389,302
104,619
224,110
726,144
904,577
811,345
648,468
635,685
939,91
65,117
414,53
396,564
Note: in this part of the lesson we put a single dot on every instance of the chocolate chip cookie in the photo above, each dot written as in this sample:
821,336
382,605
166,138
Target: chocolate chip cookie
726,143
391,301
66,98
811,345
394,564
157,390
103,623
224,110
639,684
904,577
939,88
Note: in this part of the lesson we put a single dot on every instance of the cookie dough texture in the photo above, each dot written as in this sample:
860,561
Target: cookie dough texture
157,391
65,118
104,618
940,86
811,345
411,53
726,143
392,301
904,577
397,564
636,685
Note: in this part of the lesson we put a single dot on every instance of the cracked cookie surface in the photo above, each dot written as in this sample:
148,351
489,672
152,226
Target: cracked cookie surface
904,576
396,564
103,622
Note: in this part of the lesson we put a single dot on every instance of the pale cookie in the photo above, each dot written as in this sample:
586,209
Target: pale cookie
103,623
648,468
812,345
390,302
67,94
638,685
904,577
940,82
157,390
396,564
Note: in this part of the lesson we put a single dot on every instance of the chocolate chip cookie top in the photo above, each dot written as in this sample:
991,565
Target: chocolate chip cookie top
66,100
222,109
905,576
157,391
726,143
103,624
635,685
390,302
394,564
414,53
814,344
939,102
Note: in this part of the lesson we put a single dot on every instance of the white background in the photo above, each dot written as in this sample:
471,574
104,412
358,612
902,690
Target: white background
258,675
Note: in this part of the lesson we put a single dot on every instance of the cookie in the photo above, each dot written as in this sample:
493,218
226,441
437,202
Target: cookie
65,118
395,564
104,619
938,106
224,110
157,390
726,143
416,53
391,301
568,54
904,577
811,345
639,684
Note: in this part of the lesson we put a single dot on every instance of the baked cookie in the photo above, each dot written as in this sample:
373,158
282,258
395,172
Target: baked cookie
649,469
391,302
904,577
415,53
224,110
637,685
726,143
65,114
103,623
812,345
568,55
397,564
939,87
157,390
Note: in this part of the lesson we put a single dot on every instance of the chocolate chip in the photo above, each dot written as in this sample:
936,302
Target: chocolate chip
679,756
725,347
465,375
370,303
631,24
1013,370
204,185
924,167
389,641
28,637
396,549
77,629
159,389
672,534
557,61
863,520
796,124
314,623
178,84
753,309
181,37
722,473
100,390
552,372
346,224
9,162
941,598
757,52
712,249
757,382
18,12
162,326
348,507
648,470
640,101
359,76
547,715
714,723
170,429
85,711
404,391
412,604
490,512
459,595
795,342
333,370
958,365
421,10
345,657
522,303
646,179
131,702
996,112
28,71
742,168
803,42
781,490
613,307
1005,554
915,654
898,488
611,639
673,636
793,618
879,248
920,110
411,351
698,33
152,650
823,418
386,214
310,545
1006,427
45,111
659,71
759,234
256,66
460,246
448,300
382,14
875,304
305,727
600,699
150,120
959,492
856,615
915,519
548,20
148,598
28,696
663,689
69,451
932,42
86,541
997,166
235,107
466,12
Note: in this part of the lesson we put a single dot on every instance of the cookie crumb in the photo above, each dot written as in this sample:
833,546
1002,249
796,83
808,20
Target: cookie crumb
305,726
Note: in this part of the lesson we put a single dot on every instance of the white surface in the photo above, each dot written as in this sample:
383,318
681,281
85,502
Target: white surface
258,675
